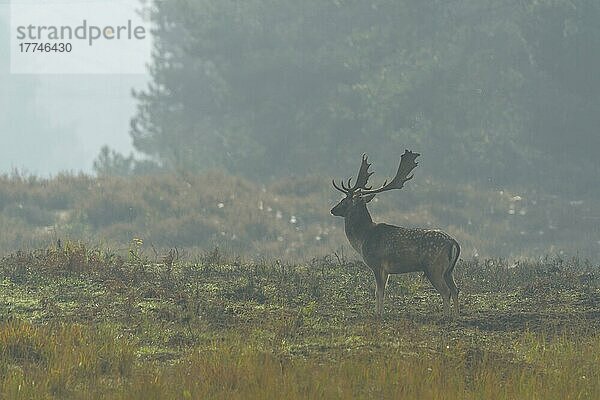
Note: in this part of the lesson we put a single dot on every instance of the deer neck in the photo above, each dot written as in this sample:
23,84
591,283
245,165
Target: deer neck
357,224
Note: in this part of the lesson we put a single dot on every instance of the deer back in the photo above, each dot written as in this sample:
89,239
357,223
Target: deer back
404,249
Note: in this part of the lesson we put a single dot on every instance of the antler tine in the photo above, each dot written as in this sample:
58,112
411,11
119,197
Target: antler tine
344,186
407,164
361,180
338,188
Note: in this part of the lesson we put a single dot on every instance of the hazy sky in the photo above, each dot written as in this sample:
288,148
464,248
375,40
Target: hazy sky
53,123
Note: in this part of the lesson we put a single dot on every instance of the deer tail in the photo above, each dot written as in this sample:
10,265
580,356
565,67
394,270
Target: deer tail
453,255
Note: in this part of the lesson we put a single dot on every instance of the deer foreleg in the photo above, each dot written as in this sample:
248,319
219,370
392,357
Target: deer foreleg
380,281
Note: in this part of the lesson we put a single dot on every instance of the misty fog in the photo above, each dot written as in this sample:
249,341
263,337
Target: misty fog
54,123
500,98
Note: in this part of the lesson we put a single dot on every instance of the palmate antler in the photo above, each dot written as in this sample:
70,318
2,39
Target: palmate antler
407,164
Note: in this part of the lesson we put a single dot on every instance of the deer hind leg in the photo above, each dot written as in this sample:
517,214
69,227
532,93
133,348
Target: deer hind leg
449,278
436,277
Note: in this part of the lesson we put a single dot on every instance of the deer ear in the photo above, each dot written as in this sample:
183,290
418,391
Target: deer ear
368,198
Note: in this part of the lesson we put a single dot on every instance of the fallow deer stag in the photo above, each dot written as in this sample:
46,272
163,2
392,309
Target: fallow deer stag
389,249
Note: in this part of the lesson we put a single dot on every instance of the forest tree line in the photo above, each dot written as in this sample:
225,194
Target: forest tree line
490,92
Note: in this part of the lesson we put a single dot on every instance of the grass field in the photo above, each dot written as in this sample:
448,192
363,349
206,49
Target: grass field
78,322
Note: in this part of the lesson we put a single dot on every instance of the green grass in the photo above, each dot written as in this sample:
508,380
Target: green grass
78,322
79,363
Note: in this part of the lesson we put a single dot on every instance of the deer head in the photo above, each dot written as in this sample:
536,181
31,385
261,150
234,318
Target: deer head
360,194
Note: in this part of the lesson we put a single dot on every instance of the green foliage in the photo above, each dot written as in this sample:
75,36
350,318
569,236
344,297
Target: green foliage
111,163
562,37
287,218
490,92
31,214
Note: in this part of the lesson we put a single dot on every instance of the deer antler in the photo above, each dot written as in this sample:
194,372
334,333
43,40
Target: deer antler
407,164
361,179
